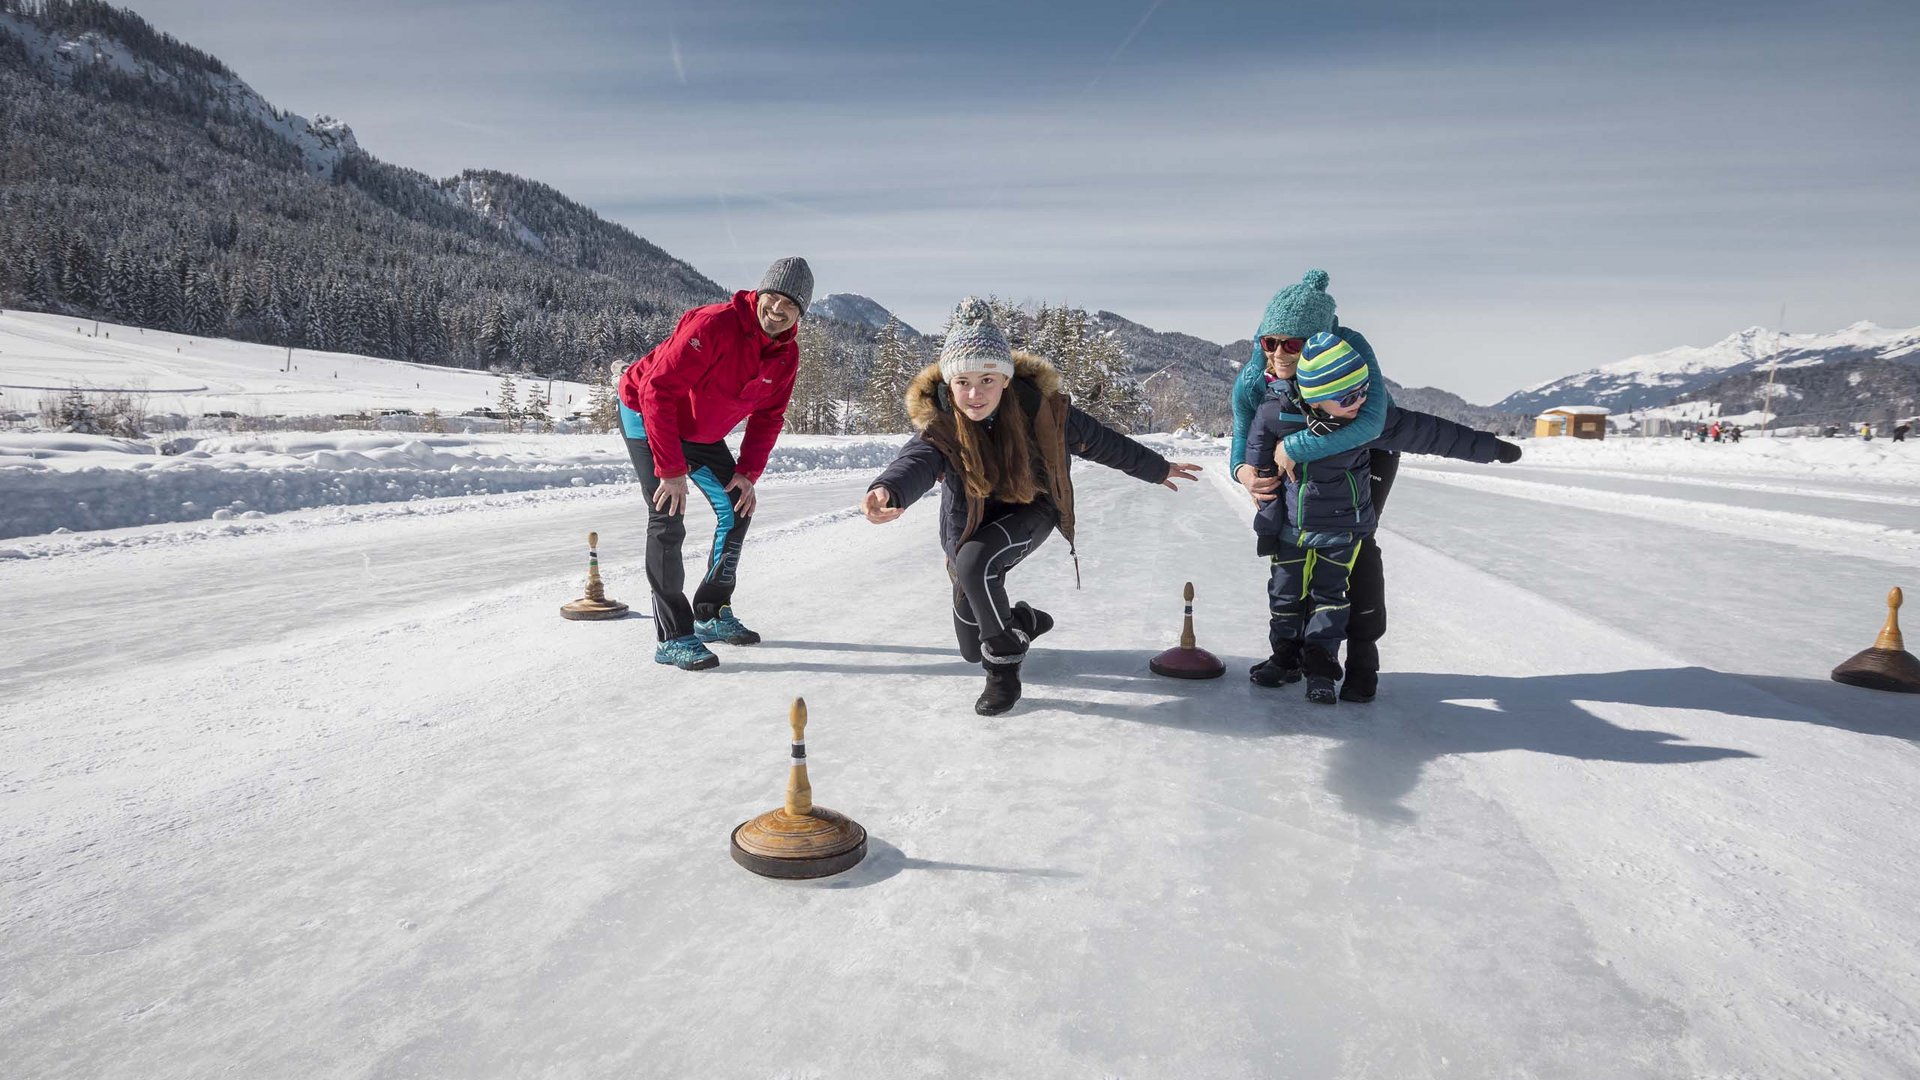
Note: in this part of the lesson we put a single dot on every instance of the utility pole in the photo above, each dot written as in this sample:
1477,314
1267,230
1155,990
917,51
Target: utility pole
1773,364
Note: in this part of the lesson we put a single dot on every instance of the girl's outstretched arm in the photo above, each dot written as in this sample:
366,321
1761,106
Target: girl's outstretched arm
913,472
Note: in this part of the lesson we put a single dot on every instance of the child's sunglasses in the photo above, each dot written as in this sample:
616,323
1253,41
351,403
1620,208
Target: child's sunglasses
1351,398
1283,344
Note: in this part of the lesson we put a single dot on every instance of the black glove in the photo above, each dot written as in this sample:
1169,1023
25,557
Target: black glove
1509,452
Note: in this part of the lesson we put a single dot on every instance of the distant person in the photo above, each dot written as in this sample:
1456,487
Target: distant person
724,363
1734,433
1714,431
998,434
1900,431
1314,533
1866,432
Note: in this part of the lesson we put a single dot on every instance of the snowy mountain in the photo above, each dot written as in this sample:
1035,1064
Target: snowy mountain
147,183
857,310
79,57
1657,378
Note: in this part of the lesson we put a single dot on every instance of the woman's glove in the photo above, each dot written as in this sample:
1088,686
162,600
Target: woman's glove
1509,452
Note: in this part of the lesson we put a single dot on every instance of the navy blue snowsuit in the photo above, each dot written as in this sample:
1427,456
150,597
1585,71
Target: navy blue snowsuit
1316,529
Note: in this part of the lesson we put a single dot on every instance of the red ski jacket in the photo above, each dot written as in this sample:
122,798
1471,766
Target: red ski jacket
717,369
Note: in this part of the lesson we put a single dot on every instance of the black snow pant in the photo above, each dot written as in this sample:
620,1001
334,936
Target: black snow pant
1367,621
1367,588
710,467
1308,604
982,617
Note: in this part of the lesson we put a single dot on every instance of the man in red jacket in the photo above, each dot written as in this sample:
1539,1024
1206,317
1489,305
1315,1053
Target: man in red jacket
724,363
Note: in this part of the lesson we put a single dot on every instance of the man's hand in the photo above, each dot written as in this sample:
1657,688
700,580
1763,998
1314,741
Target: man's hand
748,498
671,496
1184,470
878,506
1262,488
1509,452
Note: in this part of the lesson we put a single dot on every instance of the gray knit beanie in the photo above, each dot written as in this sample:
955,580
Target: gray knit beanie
791,278
974,344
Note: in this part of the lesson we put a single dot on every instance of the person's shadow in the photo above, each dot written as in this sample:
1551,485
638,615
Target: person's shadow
1420,716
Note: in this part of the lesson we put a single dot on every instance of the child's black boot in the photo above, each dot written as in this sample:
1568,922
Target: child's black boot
1280,669
1322,671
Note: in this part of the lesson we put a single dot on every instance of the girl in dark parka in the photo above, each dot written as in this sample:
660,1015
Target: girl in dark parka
997,432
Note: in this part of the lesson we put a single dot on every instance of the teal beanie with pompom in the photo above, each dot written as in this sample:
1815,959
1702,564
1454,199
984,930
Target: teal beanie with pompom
1300,311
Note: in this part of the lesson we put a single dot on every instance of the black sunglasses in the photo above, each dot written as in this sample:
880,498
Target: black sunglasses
1283,344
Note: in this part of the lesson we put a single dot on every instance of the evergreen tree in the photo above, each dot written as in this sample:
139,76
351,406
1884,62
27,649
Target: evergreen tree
812,410
494,342
882,408
508,399
77,273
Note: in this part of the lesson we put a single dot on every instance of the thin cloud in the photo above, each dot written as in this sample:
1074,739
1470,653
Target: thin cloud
1134,33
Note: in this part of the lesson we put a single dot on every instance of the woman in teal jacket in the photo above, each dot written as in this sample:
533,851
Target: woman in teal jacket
1295,314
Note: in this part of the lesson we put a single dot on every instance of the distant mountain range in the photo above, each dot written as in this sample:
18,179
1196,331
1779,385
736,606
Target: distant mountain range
855,310
1689,371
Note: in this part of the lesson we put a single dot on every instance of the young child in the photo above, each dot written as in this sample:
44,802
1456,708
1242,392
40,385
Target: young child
1314,531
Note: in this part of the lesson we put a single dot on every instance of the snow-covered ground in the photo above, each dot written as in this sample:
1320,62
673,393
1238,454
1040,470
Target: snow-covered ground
178,374
336,793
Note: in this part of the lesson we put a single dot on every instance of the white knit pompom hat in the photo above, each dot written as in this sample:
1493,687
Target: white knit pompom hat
974,345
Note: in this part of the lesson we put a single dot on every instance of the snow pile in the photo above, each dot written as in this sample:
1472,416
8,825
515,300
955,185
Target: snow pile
52,482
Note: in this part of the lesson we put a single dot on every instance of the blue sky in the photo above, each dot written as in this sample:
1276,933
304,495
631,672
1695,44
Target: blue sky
1502,193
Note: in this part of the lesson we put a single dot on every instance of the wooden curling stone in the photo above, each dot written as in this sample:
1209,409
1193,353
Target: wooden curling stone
799,839
1186,660
595,604
1888,665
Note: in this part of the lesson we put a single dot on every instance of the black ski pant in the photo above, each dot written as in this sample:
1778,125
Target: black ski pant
1367,622
710,467
982,617
1309,604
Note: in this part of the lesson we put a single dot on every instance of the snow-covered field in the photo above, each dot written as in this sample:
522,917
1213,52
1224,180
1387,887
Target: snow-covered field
187,376
301,773
336,793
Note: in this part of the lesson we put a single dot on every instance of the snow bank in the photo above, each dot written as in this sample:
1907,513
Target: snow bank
1880,461
51,482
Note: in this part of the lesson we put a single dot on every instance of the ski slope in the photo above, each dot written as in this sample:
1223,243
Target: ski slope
340,795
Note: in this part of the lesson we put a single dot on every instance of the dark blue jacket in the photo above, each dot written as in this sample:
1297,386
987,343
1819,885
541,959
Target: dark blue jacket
1060,431
1332,500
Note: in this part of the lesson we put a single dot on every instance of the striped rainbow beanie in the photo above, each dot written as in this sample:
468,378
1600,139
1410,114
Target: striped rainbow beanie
1330,368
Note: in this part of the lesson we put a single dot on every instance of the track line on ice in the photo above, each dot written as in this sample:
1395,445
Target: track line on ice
1864,540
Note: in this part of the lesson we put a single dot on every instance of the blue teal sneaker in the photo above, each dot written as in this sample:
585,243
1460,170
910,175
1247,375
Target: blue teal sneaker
724,628
686,653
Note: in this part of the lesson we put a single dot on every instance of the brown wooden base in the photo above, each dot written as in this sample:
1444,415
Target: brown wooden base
1180,663
1881,669
781,845
585,608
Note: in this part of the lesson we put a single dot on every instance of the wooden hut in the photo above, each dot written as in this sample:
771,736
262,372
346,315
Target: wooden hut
1578,421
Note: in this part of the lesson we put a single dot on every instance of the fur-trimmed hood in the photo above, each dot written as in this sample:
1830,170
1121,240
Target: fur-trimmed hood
923,400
